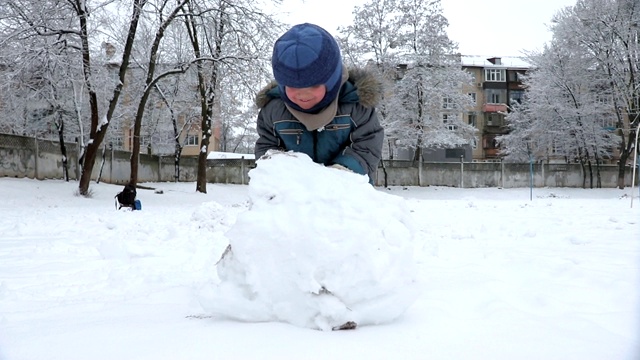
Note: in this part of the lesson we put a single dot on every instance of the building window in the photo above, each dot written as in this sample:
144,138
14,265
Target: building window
448,123
118,143
495,98
608,122
494,119
604,100
490,142
516,96
144,141
473,97
473,76
191,140
494,75
473,120
447,103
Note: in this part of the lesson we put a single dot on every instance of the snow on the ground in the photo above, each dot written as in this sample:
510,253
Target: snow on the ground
501,276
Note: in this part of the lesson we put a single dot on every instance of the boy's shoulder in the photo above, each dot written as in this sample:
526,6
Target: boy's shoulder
363,86
269,92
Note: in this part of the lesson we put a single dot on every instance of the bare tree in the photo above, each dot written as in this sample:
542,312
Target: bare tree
227,38
151,79
181,119
68,22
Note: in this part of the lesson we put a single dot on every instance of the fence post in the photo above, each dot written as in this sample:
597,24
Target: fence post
461,171
502,172
37,154
242,170
420,159
635,163
111,164
530,177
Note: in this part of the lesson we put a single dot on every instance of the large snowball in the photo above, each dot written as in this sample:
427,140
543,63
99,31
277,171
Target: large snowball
318,247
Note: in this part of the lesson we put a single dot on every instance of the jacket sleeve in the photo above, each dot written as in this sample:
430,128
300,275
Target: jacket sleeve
267,138
365,151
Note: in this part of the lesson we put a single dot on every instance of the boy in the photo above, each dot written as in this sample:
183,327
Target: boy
317,107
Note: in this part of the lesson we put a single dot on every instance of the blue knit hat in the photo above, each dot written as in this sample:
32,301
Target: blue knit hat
307,55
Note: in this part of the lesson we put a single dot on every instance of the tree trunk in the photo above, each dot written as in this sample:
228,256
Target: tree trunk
624,156
598,174
99,128
63,149
149,85
208,91
584,174
386,176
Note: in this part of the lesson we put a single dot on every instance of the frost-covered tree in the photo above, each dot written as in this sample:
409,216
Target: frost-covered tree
601,40
39,76
610,31
372,42
68,22
565,114
424,102
375,33
178,109
237,115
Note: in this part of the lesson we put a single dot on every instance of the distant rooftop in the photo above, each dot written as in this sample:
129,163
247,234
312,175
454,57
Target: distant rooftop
495,61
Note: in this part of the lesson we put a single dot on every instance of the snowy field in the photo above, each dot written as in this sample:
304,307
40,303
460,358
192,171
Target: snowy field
501,277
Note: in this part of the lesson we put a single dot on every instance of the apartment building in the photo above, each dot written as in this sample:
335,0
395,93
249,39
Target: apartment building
497,83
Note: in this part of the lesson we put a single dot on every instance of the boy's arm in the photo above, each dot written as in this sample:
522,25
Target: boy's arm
365,151
267,138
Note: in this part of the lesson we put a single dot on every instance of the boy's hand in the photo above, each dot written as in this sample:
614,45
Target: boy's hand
340,167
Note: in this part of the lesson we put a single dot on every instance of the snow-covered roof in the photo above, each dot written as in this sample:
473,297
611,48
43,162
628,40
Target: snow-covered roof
227,155
505,61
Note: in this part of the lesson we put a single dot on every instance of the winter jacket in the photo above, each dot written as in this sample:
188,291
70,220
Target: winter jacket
352,139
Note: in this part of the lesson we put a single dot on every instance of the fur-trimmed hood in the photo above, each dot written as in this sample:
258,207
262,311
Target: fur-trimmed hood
365,87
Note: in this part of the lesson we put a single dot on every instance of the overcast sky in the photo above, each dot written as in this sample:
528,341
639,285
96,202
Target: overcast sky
487,27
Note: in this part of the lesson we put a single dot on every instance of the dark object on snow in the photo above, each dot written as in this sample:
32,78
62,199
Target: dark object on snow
127,198
349,325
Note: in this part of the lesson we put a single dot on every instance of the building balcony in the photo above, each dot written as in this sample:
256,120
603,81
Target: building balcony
493,108
492,153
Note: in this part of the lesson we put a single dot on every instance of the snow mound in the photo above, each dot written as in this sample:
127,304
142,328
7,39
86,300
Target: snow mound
317,248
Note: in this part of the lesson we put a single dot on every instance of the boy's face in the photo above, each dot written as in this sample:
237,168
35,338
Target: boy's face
306,98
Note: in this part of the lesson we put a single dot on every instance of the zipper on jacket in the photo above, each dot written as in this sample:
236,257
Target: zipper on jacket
315,145
296,132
